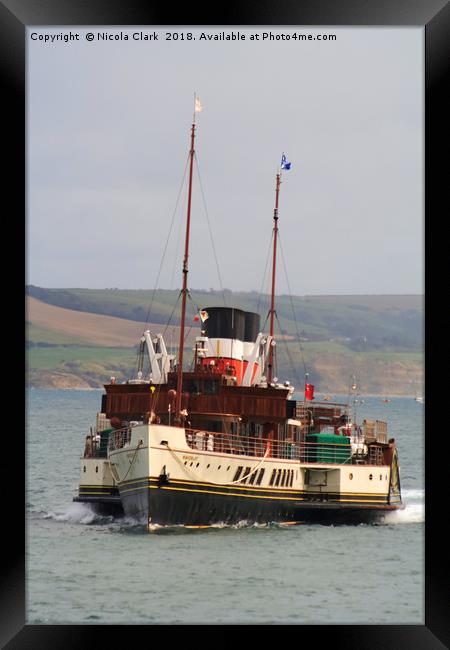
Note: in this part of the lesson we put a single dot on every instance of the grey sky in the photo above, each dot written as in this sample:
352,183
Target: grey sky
108,139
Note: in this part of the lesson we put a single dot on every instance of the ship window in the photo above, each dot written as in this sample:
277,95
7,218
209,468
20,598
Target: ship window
214,425
282,431
260,476
272,478
228,468
292,478
96,469
370,477
277,482
219,466
350,476
84,468
246,473
207,467
283,478
238,472
192,387
381,477
197,464
251,480
210,387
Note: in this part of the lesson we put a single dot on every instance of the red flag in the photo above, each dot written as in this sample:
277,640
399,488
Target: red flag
309,391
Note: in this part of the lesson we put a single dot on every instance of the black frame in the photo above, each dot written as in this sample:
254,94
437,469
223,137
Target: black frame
434,15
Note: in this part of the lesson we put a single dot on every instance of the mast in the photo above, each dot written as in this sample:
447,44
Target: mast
274,266
185,274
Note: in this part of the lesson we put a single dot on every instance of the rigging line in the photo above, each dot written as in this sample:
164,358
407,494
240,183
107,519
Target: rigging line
171,315
139,358
209,228
196,307
115,473
197,476
154,399
265,322
265,271
167,240
288,353
292,304
158,389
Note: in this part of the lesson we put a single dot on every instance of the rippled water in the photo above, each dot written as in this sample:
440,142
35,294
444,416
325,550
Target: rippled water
82,568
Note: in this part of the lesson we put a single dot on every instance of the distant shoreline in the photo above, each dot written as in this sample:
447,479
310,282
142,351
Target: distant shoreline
338,396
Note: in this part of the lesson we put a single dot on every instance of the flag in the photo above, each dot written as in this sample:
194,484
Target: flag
198,106
204,315
284,163
309,391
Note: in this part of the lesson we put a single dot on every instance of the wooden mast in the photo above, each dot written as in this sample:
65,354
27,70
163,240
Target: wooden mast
185,274
274,266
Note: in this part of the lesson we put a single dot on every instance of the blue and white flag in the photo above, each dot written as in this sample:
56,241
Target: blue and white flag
284,163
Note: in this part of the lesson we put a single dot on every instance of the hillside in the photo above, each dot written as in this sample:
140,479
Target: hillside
75,348
361,323
49,323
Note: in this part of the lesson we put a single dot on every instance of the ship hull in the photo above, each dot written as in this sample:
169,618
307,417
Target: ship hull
172,484
103,505
193,505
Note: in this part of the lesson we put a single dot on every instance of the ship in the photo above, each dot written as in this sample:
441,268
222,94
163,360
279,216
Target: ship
227,442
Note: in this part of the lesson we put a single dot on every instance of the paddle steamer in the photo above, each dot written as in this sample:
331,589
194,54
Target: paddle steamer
227,442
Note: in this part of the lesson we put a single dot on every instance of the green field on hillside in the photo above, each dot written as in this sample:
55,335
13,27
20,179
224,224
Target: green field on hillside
360,323
35,334
40,358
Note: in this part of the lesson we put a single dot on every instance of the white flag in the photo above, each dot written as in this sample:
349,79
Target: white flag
198,107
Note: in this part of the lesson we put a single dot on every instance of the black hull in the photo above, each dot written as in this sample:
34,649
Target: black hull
104,506
169,504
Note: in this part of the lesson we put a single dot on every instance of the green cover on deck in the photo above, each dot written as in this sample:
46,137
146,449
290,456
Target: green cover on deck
327,448
103,449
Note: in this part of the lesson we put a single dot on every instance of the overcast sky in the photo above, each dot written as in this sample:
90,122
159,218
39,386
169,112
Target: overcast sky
108,139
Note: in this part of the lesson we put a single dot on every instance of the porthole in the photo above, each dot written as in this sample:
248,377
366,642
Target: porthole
84,468
197,464
228,468
381,477
350,476
191,464
370,477
185,462
207,467
219,466
96,469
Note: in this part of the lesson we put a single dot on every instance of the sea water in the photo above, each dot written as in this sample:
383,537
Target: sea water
85,569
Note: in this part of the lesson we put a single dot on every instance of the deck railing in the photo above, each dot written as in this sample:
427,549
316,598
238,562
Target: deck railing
119,438
308,452
232,443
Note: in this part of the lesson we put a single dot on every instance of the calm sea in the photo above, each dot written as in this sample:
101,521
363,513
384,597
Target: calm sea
81,568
